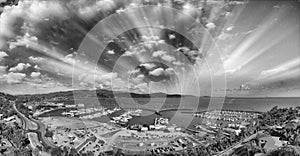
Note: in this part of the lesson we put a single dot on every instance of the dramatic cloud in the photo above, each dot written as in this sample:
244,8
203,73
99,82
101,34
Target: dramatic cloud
2,55
35,59
225,36
280,69
35,74
13,78
153,71
148,65
158,53
168,58
39,43
210,26
157,72
37,67
111,52
164,56
26,40
192,55
229,28
178,63
20,67
3,70
89,11
70,59
134,51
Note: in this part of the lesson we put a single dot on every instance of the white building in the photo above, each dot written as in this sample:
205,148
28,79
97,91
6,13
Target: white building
144,129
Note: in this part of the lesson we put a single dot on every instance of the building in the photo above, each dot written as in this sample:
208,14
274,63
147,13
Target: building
143,129
9,119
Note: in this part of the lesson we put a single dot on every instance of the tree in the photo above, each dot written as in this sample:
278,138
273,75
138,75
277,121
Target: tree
284,151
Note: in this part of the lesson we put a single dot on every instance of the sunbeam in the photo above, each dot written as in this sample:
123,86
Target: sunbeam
209,45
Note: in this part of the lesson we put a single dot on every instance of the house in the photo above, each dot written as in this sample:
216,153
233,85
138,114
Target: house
143,129
151,127
9,119
160,127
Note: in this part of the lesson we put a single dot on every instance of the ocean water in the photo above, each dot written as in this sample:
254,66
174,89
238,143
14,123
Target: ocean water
196,104
151,107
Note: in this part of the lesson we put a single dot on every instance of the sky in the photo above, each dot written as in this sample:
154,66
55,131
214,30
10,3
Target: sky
203,48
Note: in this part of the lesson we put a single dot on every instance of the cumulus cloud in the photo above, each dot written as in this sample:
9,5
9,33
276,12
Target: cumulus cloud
3,70
33,16
51,24
108,76
40,10
20,67
27,40
134,50
140,76
178,63
171,36
169,71
104,78
13,78
35,59
137,79
111,52
161,71
150,38
225,36
128,53
210,26
35,74
163,55
158,53
8,19
2,55
148,65
168,58
37,67
192,55
151,41
157,72
30,13
229,28
88,11
70,59
133,72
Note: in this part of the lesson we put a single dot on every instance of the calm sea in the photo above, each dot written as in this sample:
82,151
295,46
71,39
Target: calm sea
189,104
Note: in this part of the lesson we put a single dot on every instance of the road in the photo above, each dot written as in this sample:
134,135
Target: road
34,126
239,144
27,124
41,131
91,139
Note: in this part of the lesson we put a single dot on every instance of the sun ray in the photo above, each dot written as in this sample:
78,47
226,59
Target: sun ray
233,60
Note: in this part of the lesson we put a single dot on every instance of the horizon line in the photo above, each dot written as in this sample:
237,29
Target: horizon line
71,90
